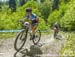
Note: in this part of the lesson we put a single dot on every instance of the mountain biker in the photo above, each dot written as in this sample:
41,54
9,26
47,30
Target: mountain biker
33,18
56,29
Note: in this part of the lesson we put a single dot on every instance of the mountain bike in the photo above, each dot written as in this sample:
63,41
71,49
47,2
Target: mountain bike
57,35
23,35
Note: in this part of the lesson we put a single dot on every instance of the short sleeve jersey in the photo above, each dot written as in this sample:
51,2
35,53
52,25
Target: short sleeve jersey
33,17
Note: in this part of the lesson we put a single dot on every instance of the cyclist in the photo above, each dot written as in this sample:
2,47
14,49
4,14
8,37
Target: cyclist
34,20
56,29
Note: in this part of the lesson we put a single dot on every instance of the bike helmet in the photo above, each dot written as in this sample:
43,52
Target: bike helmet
28,9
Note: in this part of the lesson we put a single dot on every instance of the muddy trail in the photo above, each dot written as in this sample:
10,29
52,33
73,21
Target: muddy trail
47,47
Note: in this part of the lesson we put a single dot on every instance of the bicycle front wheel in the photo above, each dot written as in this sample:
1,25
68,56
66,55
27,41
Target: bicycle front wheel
37,37
20,40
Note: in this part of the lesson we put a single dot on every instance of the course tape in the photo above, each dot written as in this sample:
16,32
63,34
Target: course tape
10,30
19,31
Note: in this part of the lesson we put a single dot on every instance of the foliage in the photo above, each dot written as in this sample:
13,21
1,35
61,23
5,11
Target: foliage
55,4
7,35
10,20
68,20
64,15
56,15
45,8
12,5
69,48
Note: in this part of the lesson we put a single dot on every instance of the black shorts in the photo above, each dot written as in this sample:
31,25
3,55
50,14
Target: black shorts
34,23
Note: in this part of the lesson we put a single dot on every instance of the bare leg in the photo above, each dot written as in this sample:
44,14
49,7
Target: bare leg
34,28
33,32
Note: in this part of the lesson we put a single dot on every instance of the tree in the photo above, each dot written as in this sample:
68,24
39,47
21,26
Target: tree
45,9
0,5
55,4
22,2
12,5
40,1
66,1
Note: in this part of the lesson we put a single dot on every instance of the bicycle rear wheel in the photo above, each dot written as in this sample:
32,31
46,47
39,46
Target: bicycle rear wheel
20,40
37,37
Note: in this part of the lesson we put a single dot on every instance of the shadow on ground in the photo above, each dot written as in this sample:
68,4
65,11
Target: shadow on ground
33,52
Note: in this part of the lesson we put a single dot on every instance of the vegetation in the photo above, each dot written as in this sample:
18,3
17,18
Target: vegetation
68,20
7,35
69,48
49,12
12,5
10,20
55,4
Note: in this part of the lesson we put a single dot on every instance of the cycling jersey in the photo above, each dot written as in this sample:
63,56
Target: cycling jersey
33,18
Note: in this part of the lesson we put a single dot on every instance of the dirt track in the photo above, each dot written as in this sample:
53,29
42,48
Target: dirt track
49,46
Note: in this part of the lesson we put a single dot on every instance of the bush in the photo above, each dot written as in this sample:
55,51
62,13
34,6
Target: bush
69,48
45,9
10,20
54,17
64,15
68,20
57,15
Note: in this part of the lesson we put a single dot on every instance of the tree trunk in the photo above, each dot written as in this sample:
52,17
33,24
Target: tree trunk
12,5
22,2
55,4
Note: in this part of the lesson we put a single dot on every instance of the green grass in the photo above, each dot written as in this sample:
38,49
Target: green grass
69,48
7,35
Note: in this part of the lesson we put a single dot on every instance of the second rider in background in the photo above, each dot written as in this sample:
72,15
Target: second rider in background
56,29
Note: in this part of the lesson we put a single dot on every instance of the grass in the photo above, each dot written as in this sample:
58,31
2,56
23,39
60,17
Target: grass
7,35
69,47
